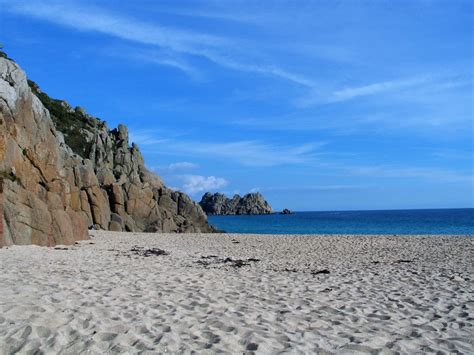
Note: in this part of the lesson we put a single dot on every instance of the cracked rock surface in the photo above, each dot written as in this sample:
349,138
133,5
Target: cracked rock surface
56,184
219,204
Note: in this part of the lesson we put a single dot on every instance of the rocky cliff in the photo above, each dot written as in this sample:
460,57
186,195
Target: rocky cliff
219,204
62,171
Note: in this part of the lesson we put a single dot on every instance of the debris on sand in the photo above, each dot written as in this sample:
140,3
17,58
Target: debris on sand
212,259
403,261
319,272
148,252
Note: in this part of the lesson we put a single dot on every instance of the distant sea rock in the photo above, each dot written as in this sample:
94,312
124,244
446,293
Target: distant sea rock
286,211
62,171
219,204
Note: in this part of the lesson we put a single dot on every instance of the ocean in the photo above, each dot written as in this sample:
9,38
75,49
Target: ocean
435,221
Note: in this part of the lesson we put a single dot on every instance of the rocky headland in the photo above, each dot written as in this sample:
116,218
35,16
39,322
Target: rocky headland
219,204
63,171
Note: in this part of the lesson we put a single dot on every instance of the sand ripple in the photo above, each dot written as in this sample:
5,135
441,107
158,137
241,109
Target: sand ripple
264,294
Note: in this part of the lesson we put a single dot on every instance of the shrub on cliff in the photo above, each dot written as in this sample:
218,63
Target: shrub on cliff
67,120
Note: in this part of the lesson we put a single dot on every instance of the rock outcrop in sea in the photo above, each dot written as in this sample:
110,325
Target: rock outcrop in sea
63,171
219,204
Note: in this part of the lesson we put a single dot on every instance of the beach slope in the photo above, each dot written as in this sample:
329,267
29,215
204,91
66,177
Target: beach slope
234,293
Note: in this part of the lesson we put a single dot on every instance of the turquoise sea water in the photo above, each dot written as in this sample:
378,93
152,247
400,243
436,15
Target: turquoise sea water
439,221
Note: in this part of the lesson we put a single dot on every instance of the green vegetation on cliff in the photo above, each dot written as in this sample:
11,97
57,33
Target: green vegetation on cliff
4,54
67,120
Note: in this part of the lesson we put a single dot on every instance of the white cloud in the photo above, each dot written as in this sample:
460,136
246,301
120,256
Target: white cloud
194,184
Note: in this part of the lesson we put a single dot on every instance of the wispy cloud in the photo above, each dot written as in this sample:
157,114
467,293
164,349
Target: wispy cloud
249,153
412,89
73,14
356,122
314,188
145,138
420,173
214,48
175,167
194,184
326,95
182,165
375,88
452,154
219,14
157,57
350,77
261,69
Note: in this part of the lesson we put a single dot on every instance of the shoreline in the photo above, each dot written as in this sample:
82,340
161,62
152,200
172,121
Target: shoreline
231,292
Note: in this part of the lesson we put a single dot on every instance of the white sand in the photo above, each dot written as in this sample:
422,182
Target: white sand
102,297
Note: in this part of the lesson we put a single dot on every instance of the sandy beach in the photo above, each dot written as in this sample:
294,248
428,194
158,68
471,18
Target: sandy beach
130,292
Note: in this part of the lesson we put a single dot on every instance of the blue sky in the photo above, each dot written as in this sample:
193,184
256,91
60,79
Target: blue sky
319,105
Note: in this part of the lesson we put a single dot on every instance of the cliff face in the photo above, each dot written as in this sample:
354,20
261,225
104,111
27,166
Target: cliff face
56,185
219,204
